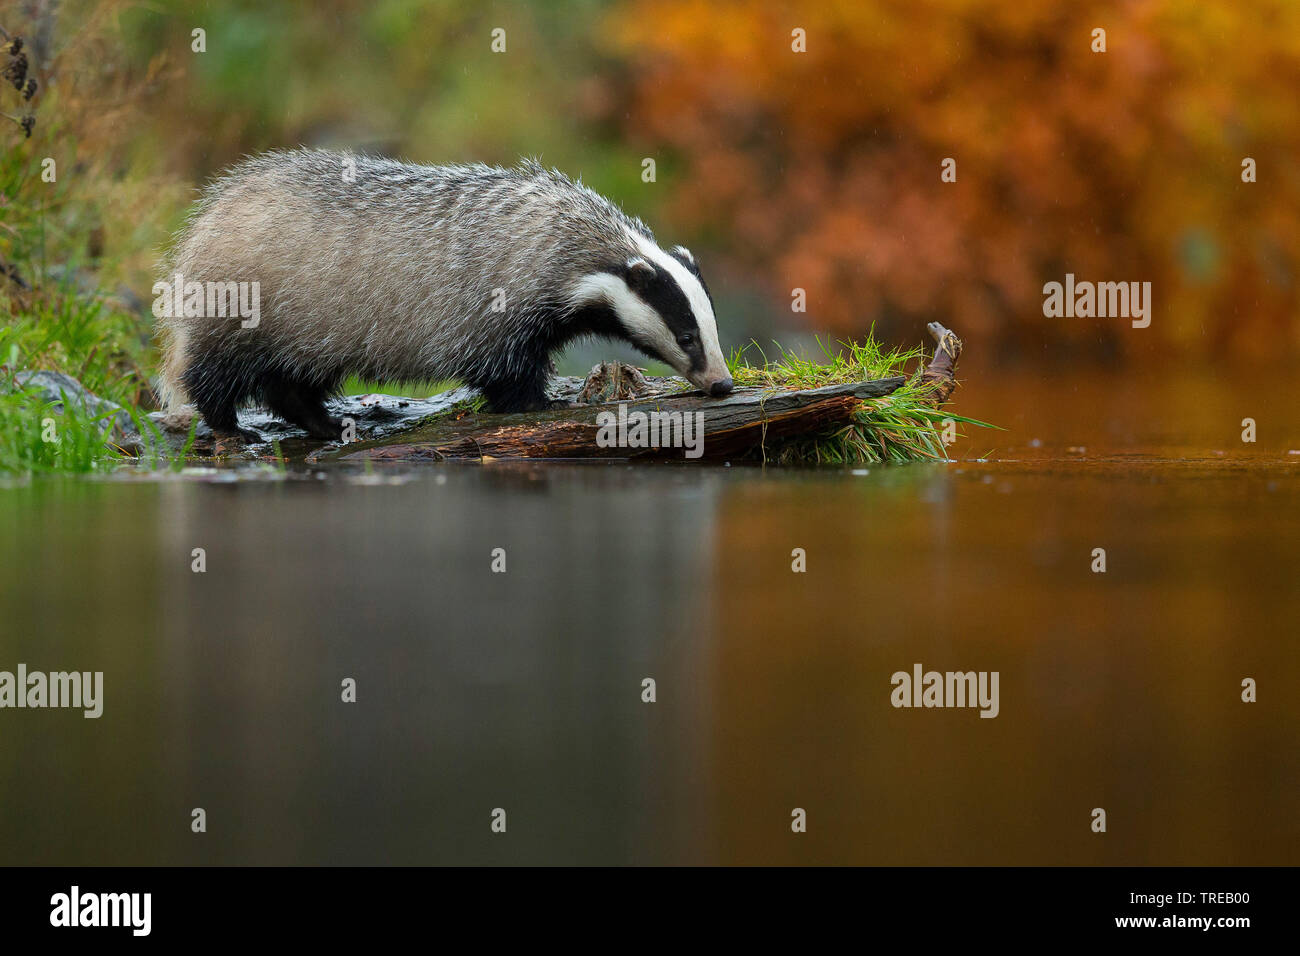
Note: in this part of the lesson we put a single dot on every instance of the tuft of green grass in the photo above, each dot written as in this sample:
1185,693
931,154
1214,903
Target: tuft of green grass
35,436
842,364
901,427
78,333
156,450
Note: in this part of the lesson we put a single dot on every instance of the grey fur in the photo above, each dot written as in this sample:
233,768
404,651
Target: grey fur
391,276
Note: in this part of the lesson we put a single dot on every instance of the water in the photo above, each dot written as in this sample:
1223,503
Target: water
522,690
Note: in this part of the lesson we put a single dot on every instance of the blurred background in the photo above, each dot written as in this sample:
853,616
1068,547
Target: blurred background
817,170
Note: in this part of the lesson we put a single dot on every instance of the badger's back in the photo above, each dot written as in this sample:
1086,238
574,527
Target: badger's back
390,270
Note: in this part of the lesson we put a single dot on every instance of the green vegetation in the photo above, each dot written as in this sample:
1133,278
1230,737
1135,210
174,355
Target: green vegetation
57,325
56,316
901,427
36,438
67,330
851,362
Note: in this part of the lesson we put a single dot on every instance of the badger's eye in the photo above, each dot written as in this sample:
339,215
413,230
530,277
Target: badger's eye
685,339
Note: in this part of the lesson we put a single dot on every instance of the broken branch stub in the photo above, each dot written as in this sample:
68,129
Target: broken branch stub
941,373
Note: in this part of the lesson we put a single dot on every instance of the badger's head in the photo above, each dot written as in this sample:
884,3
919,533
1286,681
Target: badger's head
657,301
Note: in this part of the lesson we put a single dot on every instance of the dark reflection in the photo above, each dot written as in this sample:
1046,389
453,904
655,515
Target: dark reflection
522,690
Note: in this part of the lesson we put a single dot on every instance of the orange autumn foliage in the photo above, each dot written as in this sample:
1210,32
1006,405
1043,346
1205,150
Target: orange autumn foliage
821,170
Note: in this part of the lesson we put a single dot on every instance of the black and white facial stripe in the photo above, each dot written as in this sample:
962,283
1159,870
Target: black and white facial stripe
663,308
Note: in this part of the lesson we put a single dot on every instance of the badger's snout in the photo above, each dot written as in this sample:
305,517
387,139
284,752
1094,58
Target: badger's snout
710,382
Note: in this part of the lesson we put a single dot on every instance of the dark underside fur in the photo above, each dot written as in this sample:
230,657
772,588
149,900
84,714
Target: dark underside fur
220,379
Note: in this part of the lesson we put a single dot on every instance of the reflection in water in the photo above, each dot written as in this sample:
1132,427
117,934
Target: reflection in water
523,690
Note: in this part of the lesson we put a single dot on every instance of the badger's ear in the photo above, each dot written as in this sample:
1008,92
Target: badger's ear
683,255
638,273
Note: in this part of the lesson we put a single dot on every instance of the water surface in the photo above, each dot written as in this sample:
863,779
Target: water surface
522,690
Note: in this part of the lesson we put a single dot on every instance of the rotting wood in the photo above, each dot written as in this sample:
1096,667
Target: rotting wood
734,426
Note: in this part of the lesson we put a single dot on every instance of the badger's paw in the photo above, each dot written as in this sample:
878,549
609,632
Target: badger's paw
250,436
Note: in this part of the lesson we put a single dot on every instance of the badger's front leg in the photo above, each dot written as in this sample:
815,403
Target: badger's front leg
521,393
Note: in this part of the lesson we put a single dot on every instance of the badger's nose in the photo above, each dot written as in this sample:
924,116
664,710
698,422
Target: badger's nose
721,387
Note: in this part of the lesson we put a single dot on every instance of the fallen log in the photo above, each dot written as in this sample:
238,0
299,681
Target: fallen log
646,418
728,427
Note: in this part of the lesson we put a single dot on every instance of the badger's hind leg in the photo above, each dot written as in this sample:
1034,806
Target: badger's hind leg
216,395
303,405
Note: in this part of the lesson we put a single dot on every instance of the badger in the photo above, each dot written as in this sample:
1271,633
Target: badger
398,272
